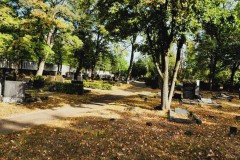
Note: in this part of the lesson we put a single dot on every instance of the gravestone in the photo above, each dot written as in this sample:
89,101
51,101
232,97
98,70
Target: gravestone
181,115
14,91
189,90
197,88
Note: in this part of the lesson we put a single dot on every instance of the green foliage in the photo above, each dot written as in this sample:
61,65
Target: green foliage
5,42
8,19
119,64
139,69
64,47
152,82
97,85
69,88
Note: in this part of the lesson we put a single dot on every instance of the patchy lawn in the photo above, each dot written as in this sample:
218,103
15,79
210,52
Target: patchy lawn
136,134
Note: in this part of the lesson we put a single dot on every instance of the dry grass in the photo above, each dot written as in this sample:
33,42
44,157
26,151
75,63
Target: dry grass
126,136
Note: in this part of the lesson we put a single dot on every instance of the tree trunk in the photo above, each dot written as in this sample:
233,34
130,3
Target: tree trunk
79,68
93,74
131,59
58,67
130,66
41,65
233,71
213,63
42,61
164,90
176,68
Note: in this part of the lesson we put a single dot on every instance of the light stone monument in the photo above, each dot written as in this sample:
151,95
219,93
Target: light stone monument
14,91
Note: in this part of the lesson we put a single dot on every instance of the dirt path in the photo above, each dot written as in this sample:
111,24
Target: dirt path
21,121
27,120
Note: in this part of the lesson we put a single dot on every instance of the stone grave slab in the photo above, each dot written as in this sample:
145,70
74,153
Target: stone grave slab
181,115
207,100
223,96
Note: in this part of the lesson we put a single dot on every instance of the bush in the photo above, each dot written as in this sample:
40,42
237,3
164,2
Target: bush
38,82
69,88
97,85
152,82
106,86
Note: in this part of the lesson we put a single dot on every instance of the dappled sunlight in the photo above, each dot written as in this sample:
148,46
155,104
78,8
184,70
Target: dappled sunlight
95,137
122,126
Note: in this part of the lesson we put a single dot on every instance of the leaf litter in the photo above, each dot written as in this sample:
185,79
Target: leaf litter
130,136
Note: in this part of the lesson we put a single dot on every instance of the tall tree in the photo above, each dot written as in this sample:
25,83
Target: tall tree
167,22
64,47
122,22
218,19
45,19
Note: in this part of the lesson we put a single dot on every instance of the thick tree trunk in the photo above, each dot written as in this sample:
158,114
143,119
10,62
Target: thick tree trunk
40,67
131,59
130,66
42,61
164,91
213,63
93,74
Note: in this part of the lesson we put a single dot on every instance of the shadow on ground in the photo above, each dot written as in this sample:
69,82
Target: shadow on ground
99,138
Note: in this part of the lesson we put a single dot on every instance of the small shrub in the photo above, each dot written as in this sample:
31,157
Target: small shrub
97,85
69,88
106,86
38,82
152,82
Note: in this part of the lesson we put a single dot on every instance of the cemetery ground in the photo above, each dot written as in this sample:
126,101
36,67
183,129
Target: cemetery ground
125,126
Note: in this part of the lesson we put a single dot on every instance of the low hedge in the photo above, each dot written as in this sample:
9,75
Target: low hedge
69,88
38,82
97,85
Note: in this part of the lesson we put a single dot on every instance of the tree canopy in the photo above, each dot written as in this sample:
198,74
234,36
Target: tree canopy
89,33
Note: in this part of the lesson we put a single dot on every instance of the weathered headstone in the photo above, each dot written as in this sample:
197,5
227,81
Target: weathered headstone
181,115
197,88
14,91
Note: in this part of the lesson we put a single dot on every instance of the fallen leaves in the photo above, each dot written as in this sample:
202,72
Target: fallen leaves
137,133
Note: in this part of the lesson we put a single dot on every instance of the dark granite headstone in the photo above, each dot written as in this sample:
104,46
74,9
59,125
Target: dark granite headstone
189,90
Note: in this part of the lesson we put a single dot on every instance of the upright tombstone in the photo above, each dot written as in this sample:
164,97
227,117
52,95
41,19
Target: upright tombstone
14,91
197,88
189,90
